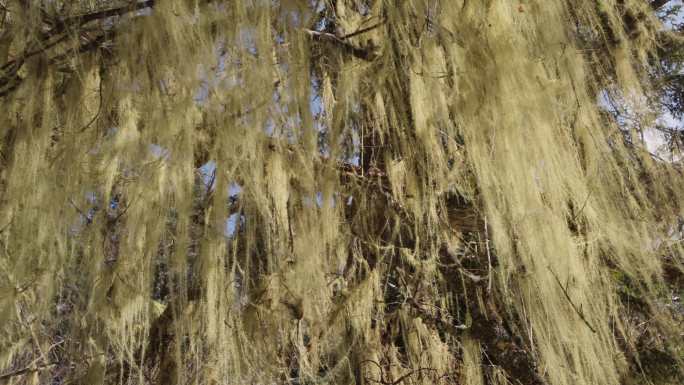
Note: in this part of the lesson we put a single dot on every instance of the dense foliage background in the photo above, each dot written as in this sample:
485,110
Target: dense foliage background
341,191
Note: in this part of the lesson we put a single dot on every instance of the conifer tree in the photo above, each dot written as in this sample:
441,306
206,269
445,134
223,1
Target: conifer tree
341,192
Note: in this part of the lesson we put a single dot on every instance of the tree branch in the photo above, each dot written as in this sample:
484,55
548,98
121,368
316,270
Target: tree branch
11,68
367,54
362,30
657,4
579,311
27,370
79,20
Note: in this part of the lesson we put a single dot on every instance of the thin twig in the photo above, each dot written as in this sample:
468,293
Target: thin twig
407,375
577,214
2,230
361,53
88,219
579,311
116,219
80,20
99,110
362,30
19,372
62,28
489,258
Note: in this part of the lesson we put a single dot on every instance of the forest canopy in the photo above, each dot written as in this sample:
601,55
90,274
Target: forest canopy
341,192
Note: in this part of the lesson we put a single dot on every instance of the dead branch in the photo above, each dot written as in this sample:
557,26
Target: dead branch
366,54
27,370
579,311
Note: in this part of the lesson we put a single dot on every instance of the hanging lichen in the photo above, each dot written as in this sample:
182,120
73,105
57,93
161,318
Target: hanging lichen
343,192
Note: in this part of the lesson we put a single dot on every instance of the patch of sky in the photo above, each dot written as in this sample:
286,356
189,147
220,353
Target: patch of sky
159,152
673,14
655,140
318,200
279,38
355,157
114,202
316,104
295,18
91,197
234,190
86,212
202,93
269,127
144,12
606,101
212,78
292,125
208,173
322,23
233,224
248,39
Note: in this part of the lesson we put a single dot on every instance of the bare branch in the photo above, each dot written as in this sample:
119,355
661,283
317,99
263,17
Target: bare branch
579,311
658,4
362,30
31,369
367,54
62,25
